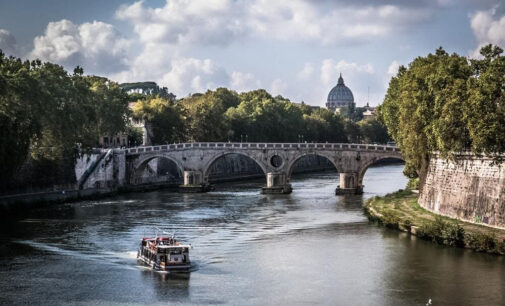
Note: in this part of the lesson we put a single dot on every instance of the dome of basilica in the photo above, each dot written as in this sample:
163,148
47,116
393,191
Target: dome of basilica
340,96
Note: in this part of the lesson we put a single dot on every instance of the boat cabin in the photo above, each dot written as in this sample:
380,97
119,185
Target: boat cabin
164,252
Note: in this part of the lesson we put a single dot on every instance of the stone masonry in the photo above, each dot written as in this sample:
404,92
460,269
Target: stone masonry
470,188
276,160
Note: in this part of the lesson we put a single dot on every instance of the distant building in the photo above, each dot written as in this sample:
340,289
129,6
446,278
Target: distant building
121,139
340,96
370,112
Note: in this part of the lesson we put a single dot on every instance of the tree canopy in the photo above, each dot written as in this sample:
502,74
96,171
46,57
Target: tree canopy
446,103
48,114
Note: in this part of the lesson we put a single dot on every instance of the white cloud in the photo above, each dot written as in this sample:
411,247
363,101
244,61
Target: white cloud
314,89
96,46
278,87
307,71
241,81
488,29
393,68
190,75
8,43
331,70
185,21
225,21
174,43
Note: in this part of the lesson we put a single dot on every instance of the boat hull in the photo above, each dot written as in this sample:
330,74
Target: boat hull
158,267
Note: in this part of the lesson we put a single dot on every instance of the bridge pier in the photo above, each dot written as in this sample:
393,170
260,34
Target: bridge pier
277,183
349,184
193,182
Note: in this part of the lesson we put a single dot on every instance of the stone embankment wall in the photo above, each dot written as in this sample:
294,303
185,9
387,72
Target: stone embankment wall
471,189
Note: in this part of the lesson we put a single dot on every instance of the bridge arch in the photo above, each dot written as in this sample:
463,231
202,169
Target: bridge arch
362,170
142,163
208,166
293,162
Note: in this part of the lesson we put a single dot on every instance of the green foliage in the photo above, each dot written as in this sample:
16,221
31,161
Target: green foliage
446,103
265,118
205,115
481,242
422,107
401,209
443,232
413,183
18,111
109,104
352,131
390,219
47,114
373,131
135,134
485,110
163,119
322,125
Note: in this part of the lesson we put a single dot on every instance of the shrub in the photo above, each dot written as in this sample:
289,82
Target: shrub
443,232
481,242
413,183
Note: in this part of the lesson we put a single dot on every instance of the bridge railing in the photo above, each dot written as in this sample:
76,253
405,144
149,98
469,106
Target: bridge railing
259,145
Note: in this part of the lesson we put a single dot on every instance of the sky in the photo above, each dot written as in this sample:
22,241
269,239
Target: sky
294,48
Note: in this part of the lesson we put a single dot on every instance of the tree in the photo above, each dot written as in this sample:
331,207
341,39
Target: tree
205,120
373,131
485,110
265,118
164,121
18,110
110,104
324,125
427,108
352,131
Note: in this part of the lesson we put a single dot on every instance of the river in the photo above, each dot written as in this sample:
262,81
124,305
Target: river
309,247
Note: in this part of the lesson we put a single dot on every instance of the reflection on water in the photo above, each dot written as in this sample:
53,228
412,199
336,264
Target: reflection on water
307,247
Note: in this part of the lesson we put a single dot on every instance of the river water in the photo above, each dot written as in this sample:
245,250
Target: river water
309,247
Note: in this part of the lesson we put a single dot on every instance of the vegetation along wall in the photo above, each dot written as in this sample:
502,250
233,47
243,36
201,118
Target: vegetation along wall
470,188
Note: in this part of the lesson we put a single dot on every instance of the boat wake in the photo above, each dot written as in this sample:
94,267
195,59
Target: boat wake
120,259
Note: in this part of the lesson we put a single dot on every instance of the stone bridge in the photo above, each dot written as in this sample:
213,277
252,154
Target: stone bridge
277,161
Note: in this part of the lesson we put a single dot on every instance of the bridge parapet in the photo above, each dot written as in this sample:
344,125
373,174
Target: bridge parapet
260,145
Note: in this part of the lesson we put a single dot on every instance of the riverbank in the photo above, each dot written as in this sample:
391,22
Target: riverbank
400,210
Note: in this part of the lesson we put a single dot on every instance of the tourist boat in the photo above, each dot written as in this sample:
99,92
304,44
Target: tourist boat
164,254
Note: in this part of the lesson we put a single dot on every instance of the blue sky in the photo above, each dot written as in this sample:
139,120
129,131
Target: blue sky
295,48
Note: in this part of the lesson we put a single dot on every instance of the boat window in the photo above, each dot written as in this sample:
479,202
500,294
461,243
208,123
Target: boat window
176,251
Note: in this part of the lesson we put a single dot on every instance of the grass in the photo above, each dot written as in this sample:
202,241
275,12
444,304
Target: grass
400,210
